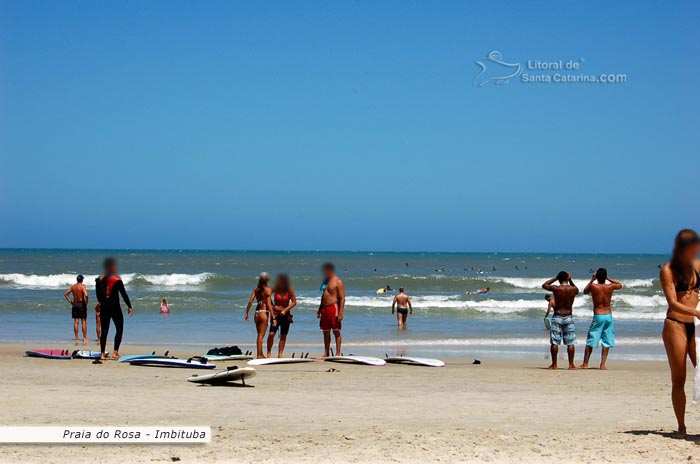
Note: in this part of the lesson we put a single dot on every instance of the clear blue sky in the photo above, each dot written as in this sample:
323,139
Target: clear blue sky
345,126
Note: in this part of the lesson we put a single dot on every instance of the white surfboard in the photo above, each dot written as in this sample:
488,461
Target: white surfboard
87,354
429,362
169,362
367,360
269,361
223,357
230,375
131,357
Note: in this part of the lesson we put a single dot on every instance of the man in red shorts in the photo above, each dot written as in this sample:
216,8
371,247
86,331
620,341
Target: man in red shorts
331,310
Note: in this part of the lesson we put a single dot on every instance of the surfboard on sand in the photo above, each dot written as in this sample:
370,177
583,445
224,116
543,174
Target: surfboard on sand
49,354
269,361
131,357
429,362
171,362
223,377
366,360
86,354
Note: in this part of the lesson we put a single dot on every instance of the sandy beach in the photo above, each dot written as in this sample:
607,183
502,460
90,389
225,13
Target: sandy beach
499,411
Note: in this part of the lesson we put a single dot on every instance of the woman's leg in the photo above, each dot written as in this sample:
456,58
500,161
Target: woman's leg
270,342
261,326
677,346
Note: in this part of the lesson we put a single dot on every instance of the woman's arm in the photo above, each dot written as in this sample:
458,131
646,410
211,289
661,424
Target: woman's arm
250,303
669,288
292,301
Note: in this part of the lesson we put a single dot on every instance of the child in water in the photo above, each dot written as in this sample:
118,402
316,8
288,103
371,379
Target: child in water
164,309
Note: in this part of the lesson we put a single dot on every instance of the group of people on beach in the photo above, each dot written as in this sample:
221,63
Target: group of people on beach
108,288
680,281
274,306
562,329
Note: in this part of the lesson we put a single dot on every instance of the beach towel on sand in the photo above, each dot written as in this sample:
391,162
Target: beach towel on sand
696,384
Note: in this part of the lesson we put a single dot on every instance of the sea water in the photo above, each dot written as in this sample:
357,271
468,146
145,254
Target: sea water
208,291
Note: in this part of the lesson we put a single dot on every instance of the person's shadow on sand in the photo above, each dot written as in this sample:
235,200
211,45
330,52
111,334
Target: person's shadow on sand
695,438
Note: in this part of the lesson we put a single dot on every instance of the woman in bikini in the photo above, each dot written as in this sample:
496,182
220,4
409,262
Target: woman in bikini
283,301
262,294
680,280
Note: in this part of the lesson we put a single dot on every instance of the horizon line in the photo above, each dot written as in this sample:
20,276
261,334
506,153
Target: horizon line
260,250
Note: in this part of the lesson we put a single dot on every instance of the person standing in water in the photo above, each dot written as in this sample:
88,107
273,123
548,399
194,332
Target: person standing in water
330,311
680,280
78,300
602,326
164,308
563,329
403,301
108,287
262,294
284,299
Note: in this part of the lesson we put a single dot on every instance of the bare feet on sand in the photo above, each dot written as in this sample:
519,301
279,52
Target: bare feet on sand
85,341
115,355
552,367
680,434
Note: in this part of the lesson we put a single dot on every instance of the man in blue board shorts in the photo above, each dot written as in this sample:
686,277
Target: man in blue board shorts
563,329
602,327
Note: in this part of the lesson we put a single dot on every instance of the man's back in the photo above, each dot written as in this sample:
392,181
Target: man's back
564,296
402,300
79,293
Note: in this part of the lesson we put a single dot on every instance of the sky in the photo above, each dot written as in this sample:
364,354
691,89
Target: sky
355,125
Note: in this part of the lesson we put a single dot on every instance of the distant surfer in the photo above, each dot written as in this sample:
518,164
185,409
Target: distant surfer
283,300
602,326
331,309
78,300
262,293
402,303
481,291
562,329
108,287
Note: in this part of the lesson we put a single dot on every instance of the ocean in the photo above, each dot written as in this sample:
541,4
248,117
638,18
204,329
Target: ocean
208,291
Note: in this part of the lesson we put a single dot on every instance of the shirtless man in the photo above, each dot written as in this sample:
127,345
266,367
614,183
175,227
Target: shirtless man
78,300
403,301
330,312
563,329
602,326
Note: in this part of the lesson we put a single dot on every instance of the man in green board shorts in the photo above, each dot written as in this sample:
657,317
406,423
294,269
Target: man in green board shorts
602,327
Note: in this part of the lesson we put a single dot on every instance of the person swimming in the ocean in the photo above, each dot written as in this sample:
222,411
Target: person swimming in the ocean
403,301
481,291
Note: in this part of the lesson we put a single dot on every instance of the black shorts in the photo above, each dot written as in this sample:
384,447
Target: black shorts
282,324
79,311
403,311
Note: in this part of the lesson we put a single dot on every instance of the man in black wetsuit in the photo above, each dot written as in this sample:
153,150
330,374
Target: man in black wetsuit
108,287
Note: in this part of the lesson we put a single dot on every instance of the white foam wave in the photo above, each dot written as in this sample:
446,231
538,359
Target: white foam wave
640,301
582,306
64,280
